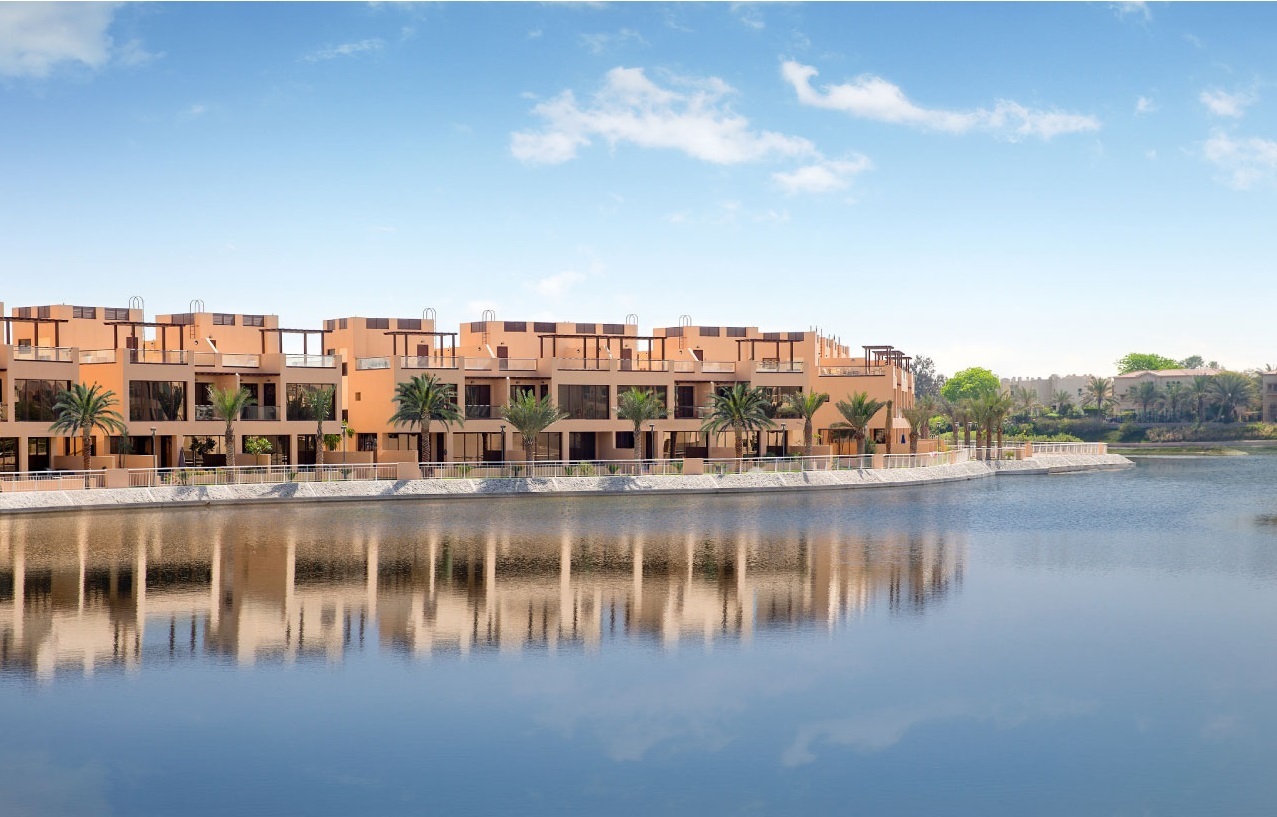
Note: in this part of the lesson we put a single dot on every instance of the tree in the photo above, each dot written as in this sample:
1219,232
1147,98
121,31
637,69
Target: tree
1062,401
857,411
1193,362
970,383
917,416
891,424
926,382
639,406
1099,390
804,405
1026,399
1233,391
84,409
530,416
319,404
1146,393
422,400
1200,390
227,405
1174,396
1001,405
1141,361
741,408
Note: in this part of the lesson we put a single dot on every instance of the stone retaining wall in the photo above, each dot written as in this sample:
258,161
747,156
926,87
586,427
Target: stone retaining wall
179,496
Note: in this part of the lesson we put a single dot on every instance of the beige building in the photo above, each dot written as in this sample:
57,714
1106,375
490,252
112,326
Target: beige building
161,370
1269,396
1046,387
1123,384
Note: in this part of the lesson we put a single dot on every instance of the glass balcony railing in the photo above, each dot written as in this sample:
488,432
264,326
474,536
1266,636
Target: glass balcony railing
91,356
242,361
161,356
49,354
259,413
365,363
423,362
310,361
478,412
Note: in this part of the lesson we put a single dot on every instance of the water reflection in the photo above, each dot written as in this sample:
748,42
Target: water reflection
131,590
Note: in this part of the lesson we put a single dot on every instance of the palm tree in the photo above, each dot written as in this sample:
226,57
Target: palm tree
804,405
857,412
967,410
1000,406
980,411
1145,393
742,409
890,423
1026,399
1200,390
1233,391
82,410
1063,402
928,404
530,417
1174,395
918,416
1100,390
227,405
422,400
639,406
319,402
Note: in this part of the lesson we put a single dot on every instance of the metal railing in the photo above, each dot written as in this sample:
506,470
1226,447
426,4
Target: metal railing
48,354
1069,448
850,371
780,366
310,361
478,412
951,457
683,366
478,364
51,480
171,357
785,465
550,469
363,364
97,356
260,474
645,365
259,413
425,362
583,364
205,412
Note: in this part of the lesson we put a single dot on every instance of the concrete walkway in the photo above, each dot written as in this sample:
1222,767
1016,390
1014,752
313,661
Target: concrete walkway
180,496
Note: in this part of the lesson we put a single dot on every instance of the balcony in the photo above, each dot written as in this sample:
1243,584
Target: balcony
259,413
685,412
479,364
363,364
91,356
644,365
171,357
419,362
44,354
310,361
718,367
205,413
682,366
850,371
576,364
478,412
242,361
780,366
517,364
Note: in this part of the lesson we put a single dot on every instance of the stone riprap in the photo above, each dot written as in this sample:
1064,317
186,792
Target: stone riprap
179,496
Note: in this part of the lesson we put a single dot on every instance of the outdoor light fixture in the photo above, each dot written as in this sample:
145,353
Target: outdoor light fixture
503,442
155,454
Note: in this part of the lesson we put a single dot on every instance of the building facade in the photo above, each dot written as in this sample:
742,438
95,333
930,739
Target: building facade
161,371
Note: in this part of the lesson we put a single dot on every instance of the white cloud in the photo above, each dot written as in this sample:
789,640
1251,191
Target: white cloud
598,43
1150,154
1244,162
1133,9
825,176
37,38
346,50
749,15
557,285
1145,105
1223,103
535,34
1194,40
872,97
691,115
193,111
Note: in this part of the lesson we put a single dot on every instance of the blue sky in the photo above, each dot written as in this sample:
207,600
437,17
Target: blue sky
1036,188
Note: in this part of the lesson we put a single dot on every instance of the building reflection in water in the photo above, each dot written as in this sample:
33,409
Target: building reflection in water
87,593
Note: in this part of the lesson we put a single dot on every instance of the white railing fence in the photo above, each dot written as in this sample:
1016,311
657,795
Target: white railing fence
260,474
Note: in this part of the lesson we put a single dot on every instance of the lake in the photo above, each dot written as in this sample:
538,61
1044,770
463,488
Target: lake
1081,644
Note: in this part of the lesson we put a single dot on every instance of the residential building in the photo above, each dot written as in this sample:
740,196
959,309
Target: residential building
1075,385
1123,384
1268,385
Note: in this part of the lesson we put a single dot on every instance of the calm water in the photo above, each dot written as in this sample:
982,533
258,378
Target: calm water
1073,645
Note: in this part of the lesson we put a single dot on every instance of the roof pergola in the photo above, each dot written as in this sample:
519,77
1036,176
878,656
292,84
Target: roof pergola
601,342
36,322
305,333
740,345
887,356
133,327
407,336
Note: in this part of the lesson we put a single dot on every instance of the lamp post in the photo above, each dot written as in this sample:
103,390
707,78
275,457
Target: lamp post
503,443
155,454
651,441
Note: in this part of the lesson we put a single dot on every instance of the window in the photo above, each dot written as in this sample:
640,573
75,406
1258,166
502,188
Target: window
476,447
659,391
329,325
674,332
478,326
584,402
771,336
377,323
402,442
549,445
545,327
614,329
43,312
709,331
516,326
33,399
23,312
587,328
8,453
254,320
223,319
797,336
87,312
409,324
735,331
299,407
152,401
624,439
117,314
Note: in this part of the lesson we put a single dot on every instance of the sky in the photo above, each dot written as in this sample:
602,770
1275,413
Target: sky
1036,188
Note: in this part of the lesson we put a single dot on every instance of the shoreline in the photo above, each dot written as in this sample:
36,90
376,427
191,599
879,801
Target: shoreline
438,489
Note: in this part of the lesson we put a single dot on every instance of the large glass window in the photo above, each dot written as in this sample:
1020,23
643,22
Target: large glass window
8,453
476,447
584,402
152,401
33,399
299,406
